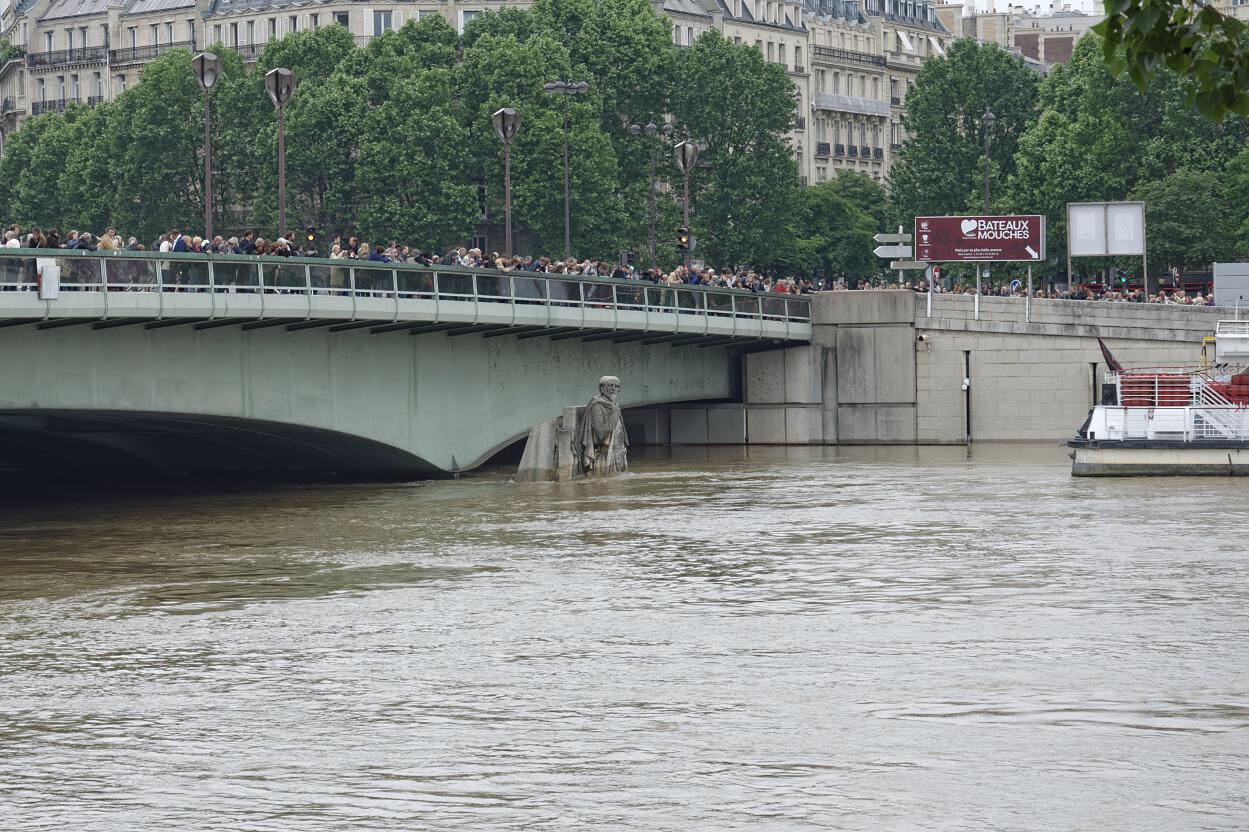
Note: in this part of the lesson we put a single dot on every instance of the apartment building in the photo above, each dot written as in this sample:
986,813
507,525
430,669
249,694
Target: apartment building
851,61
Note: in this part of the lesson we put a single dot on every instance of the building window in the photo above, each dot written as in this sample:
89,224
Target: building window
190,30
168,33
341,18
273,28
466,15
98,86
60,87
69,39
770,51
234,34
73,87
780,54
40,90
48,40
155,34
217,33
294,23
797,56
134,37
316,20
424,13
121,84
384,22
251,32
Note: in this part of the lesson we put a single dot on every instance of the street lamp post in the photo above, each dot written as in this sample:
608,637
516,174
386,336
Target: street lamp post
687,157
207,68
652,130
280,84
506,123
987,120
566,88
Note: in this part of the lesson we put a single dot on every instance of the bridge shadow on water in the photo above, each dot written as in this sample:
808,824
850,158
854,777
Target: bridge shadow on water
44,451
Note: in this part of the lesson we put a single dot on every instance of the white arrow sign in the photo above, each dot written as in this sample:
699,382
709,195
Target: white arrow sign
892,238
893,251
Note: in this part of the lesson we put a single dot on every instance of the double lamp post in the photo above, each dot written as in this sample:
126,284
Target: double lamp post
280,84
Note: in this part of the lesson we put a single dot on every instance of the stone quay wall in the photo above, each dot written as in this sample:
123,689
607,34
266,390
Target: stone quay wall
882,370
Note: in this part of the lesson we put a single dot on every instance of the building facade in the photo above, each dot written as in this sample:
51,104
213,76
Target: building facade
852,62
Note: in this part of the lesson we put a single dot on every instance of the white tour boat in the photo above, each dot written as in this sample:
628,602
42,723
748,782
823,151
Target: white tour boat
1171,421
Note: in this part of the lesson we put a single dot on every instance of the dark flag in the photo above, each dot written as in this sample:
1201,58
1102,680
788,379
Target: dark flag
1110,359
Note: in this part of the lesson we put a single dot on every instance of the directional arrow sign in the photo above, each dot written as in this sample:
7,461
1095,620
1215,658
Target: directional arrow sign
892,238
907,264
892,251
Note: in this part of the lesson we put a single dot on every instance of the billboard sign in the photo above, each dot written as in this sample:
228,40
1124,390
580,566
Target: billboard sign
996,239
1105,229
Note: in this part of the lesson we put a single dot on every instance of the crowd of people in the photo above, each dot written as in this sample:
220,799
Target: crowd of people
354,248
1173,295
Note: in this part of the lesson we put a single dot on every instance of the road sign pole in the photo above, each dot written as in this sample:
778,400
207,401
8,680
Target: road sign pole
1027,301
977,291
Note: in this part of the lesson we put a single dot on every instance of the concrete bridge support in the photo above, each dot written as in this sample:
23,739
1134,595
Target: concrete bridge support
271,401
881,370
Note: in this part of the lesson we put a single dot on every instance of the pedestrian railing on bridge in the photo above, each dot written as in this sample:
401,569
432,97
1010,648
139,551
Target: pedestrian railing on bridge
122,288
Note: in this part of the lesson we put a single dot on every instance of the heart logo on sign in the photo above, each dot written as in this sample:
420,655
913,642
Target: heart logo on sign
968,226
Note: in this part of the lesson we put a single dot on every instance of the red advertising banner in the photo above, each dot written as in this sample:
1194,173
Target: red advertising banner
1007,239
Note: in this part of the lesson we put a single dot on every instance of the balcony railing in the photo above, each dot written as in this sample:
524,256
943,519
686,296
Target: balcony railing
894,148
846,56
93,100
822,149
82,55
854,151
800,123
865,152
878,153
895,101
799,68
9,105
56,105
136,54
249,51
849,104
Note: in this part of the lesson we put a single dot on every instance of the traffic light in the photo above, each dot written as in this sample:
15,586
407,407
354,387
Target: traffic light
683,238
1123,276
312,234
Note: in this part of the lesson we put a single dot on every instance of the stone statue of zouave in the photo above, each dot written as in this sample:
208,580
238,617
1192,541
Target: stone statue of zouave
602,441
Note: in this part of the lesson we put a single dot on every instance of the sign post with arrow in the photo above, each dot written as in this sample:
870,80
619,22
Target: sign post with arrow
897,246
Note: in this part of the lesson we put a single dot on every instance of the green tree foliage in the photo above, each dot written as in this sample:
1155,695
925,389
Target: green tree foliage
1102,138
741,109
394,139
834,228
1206,47
1191,217
941,166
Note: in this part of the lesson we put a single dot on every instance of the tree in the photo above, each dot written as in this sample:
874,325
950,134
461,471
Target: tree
411,167
503,72
1192,219
941,166
1206,47
742,109
1099,138
832,233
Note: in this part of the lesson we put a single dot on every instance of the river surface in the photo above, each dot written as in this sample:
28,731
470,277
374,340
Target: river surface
858,639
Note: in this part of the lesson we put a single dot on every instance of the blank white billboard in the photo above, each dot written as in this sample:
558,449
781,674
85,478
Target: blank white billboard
1099,229
1125,228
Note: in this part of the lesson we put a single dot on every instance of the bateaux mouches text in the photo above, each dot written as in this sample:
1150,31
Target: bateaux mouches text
995,239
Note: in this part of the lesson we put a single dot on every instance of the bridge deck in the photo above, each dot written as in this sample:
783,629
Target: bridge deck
126,288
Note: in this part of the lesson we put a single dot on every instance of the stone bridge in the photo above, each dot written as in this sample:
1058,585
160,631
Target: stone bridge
143,363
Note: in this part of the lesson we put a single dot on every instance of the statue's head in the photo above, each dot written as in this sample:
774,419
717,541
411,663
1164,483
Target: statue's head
609,386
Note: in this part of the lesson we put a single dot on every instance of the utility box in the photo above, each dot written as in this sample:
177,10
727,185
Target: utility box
1231,284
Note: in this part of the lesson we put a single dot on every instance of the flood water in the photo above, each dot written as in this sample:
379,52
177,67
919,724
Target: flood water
859,639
